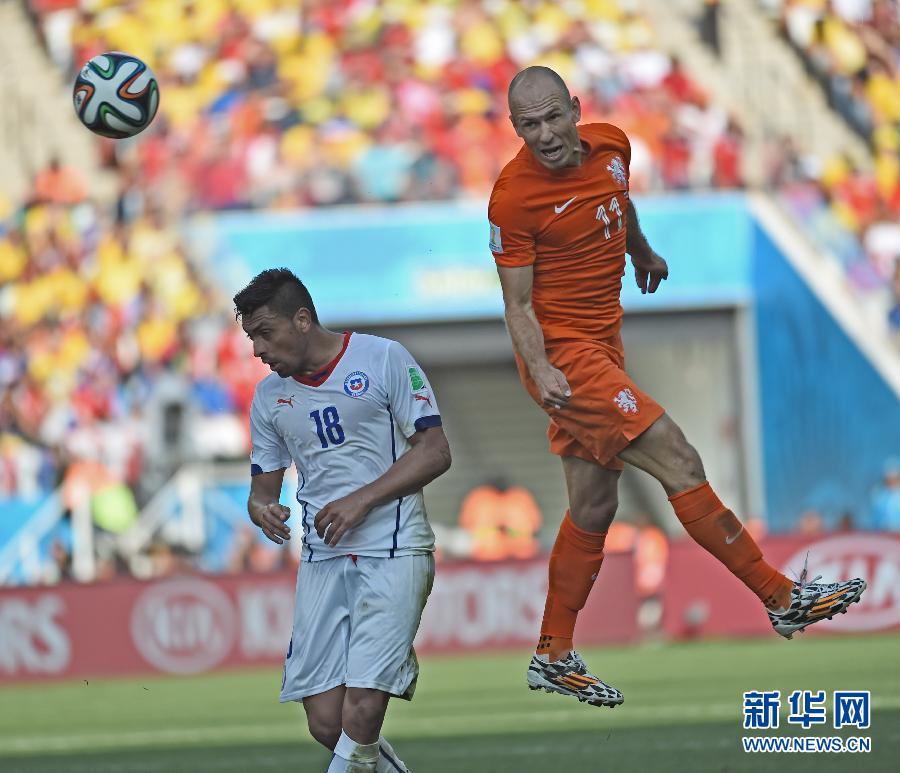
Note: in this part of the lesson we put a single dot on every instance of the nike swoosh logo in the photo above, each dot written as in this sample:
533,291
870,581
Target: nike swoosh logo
559,209
729,540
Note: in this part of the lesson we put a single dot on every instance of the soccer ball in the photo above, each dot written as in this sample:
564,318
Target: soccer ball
116,95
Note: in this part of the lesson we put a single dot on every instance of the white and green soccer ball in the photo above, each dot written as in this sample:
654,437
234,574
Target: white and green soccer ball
116,95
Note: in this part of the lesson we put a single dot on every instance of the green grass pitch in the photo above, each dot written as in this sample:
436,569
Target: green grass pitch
682,712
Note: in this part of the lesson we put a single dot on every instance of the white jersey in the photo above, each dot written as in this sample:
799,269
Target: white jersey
343,428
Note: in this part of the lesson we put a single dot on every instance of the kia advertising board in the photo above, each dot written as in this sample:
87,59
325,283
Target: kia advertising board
193,624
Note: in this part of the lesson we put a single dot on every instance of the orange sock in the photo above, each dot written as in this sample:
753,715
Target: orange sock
717,529
574,563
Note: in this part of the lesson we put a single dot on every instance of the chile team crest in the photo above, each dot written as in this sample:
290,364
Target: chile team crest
356,384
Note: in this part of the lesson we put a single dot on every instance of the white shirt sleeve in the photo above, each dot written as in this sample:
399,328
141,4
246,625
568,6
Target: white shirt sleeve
268,450
412,400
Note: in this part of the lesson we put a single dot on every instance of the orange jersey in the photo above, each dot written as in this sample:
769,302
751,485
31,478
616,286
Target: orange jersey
570,225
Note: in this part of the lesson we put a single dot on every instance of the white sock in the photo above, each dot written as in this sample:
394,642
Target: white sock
352,757
388,761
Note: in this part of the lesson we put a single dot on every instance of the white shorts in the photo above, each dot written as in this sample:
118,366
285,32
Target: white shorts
354,624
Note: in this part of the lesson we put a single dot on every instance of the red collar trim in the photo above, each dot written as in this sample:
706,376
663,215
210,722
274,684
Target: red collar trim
317,379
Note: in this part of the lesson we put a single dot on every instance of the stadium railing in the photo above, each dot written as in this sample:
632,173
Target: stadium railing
24,558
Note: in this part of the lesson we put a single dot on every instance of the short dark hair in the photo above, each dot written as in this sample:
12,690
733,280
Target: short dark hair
277,288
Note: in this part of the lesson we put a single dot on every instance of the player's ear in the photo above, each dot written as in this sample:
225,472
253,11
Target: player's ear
576,109
513,122
302,320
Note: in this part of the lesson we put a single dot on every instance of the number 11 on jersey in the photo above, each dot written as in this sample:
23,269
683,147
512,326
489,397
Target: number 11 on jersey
602,215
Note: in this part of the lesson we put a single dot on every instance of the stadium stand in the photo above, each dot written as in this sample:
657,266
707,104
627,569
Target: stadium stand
852,48
342,102
337,102
329,104
99,321
105,320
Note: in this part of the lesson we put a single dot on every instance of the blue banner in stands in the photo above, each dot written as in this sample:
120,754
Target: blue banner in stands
830,423
431,262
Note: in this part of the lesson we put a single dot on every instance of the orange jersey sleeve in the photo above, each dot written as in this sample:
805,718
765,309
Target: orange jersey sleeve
570,225
512,243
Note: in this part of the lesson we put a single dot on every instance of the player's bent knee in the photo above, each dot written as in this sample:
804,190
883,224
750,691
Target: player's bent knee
692,466
595,517
325,731
686,464
364,710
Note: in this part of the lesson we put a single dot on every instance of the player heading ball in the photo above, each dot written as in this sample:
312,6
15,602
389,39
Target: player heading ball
561,221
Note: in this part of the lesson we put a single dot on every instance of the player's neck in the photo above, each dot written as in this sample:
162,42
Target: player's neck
577,158
324,346
579,154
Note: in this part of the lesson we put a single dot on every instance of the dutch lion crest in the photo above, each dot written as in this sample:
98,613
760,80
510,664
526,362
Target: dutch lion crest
617,170
626,401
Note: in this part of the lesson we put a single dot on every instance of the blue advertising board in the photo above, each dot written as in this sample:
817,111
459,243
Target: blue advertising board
431,262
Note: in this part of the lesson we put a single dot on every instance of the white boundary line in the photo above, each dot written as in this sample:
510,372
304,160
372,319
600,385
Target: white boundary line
436,725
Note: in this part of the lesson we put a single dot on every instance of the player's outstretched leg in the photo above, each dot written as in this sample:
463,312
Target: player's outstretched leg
813,601
792,606
569,676
664,452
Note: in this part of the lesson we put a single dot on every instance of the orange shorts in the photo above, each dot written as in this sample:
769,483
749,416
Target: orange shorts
606,410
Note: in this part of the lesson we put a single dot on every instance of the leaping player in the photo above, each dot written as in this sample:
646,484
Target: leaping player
357,416
561,221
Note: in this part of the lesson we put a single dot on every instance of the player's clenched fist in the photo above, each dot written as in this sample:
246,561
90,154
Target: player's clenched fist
271,519
554,388
337,518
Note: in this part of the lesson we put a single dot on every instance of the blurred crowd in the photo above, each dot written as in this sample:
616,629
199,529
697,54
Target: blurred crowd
854,215
852,48
118,358
320,103
275,103
279,104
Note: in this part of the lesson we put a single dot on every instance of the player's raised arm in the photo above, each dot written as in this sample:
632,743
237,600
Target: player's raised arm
649,268
527,337
264,508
